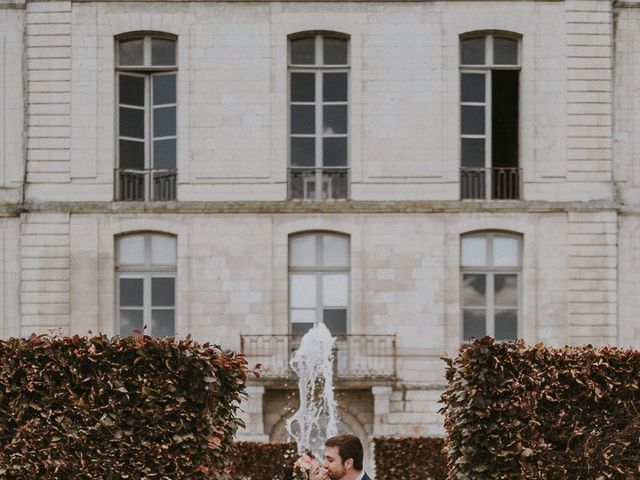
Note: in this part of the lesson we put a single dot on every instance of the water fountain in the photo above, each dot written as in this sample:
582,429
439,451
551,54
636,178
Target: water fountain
316,419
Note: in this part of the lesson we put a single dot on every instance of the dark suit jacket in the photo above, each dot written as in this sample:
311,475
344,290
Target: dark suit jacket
366,477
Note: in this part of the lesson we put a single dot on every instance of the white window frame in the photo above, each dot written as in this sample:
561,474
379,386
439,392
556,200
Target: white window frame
147,71
490,271
318,69
146,272
319,271
487,69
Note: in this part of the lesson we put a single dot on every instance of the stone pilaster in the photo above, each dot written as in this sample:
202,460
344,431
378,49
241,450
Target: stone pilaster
252,416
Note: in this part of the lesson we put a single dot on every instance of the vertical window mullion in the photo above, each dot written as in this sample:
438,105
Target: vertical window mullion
489,50
148,130
319,274
491,311
319,118
488,135
318,134
146,304
146,51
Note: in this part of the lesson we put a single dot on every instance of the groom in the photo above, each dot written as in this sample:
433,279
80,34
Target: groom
343,458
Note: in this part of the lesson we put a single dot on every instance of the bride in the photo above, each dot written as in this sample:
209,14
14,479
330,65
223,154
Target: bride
308,468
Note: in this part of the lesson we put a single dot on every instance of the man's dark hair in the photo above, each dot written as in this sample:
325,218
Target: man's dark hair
349,446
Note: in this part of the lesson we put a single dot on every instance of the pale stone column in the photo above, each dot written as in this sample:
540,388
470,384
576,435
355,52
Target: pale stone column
381,400
253,416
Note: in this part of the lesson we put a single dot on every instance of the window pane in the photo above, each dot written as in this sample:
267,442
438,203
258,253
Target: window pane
334,87
473,152
506,251
506,324
163,51
335,290
131,292
164,89
472,87
335,249
474,324
303,291
472,51
303,316
336,321
163,323
335,51
303,51
130,319
474,251
164,121
300,328
130,52
131,154
131,122
164,154
505,51
303,152
472,120
335,119
131,250
131,90
303,251
334,152
303,87
303,119
163,292
163,250
474,290
506,290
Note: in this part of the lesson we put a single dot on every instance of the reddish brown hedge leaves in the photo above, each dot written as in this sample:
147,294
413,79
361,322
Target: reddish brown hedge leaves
516,411
99,408
410,459
262,461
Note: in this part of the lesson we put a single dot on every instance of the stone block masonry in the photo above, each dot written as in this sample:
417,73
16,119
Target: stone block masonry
48,91
45,273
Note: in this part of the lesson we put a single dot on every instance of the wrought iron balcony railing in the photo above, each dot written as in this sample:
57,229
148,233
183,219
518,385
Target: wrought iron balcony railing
138,185
498,183
318,184
356,357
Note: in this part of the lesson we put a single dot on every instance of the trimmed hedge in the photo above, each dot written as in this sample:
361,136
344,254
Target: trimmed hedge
516,411
99,408
410,458
262,461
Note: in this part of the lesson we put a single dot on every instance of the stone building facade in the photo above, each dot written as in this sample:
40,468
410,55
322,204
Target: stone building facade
412,174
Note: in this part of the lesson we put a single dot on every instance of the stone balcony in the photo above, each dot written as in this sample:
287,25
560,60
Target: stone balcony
359,360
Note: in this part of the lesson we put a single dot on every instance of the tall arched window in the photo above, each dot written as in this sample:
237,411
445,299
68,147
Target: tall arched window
491,266
146,275
489,112
319,282
146,67
318,114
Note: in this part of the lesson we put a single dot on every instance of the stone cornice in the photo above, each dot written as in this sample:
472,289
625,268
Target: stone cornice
304,1
298,207
626,4
13,6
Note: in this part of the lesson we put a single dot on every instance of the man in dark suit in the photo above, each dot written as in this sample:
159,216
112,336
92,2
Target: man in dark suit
343,456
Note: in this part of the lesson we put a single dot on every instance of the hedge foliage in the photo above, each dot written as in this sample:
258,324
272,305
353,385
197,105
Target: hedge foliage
262,461
410,458
517,411
100,408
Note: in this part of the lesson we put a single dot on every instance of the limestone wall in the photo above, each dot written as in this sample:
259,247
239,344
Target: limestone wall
404,99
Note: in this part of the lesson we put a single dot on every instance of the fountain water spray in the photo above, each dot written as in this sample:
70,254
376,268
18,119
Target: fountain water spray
316,419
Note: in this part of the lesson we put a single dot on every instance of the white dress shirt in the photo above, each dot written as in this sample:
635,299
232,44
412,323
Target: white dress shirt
361,476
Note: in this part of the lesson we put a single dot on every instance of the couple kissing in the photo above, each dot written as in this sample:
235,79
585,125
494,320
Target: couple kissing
343,455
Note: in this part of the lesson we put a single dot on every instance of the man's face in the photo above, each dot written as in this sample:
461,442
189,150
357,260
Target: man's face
333,463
